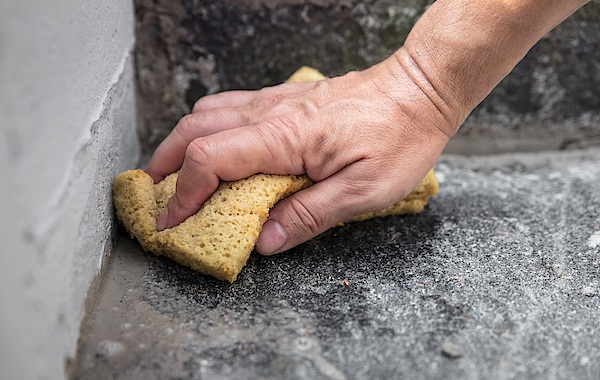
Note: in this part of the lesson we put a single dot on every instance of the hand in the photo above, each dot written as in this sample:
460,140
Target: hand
366,139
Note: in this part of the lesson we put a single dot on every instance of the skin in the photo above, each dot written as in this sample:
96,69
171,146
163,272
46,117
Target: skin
366,138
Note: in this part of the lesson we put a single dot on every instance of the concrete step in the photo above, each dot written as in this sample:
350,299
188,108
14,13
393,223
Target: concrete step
497,278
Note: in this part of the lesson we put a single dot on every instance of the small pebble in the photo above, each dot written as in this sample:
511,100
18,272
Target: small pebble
584,360
558,270
451,350
588,291
594,240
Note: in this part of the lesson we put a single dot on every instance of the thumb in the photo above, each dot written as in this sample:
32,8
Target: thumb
310,212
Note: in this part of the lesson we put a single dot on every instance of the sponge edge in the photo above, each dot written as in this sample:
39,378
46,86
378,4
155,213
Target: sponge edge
219,238
306,74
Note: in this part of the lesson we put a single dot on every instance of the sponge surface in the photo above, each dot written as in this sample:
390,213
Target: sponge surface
218,239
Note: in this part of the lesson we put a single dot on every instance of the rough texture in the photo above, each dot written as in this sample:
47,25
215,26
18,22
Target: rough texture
187,49
67,127
496,279
219,238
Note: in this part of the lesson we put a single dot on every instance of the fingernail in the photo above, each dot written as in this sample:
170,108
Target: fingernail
163,218
272,238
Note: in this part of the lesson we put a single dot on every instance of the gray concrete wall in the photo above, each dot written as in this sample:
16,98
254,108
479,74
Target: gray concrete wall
190,48
67,126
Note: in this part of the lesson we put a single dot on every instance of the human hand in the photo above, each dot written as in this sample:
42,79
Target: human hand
366,139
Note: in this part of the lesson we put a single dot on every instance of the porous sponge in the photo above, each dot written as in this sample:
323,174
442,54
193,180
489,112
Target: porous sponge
219,238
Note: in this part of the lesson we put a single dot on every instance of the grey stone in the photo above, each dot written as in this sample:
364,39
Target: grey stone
451,350
475,269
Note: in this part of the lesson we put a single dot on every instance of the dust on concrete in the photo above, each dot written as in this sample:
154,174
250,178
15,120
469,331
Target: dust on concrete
495,279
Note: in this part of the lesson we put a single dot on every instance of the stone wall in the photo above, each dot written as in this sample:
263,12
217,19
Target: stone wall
189,48
67,127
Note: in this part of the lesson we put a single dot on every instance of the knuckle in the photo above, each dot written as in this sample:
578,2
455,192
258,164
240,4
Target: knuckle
289,118
304,220
267,100
184,126
183,203
198,152
289,125
282,144
371,192
199,105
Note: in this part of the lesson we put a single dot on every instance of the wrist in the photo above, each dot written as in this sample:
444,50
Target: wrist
418,100
459,50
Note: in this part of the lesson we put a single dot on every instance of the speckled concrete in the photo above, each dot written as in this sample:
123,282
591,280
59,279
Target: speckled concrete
497,279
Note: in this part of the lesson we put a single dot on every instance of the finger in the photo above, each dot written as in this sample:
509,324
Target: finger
223,99
169,155
243,98
230,155
312,211
236,109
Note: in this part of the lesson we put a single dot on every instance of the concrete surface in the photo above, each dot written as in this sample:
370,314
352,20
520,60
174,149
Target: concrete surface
67,118
497,279
187,49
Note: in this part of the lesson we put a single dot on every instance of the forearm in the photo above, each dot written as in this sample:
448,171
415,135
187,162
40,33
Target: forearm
461,49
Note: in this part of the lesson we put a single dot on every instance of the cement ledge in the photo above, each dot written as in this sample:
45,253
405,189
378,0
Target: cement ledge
498,278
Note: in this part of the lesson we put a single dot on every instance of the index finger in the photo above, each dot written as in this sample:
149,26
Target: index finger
238,98
213,114
170,154
229,155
